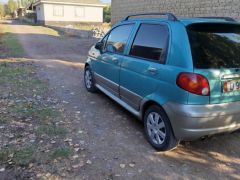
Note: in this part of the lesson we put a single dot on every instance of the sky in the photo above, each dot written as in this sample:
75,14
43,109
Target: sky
105,1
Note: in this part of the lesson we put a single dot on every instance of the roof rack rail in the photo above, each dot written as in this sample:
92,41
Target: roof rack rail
223,18
170,16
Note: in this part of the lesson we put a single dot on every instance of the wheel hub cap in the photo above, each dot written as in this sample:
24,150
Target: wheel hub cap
156,128
88,79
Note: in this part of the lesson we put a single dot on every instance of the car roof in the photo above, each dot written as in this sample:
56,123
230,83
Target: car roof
188,21
185,21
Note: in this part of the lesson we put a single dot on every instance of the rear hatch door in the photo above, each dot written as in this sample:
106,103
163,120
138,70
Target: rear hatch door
216,55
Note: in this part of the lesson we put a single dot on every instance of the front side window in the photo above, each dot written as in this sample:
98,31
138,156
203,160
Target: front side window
118,38
215,45
104,41
150,42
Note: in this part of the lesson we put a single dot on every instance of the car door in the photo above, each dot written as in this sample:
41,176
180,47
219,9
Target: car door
107,65
142,68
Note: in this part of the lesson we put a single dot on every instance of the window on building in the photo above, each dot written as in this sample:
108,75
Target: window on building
58,11
118,38
79,11
150,42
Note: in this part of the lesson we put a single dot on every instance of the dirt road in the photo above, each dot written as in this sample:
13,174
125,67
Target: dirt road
112,138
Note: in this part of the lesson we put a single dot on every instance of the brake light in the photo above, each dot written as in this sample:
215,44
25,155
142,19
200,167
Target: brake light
194,83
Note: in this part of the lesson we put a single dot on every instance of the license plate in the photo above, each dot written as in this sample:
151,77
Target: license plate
230,86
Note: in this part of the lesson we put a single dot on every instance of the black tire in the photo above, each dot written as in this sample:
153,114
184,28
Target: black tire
169,141
90,86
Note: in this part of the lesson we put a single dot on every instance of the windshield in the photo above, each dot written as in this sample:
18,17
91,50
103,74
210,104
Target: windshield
215,45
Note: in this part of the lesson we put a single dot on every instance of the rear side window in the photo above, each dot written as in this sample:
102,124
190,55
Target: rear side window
215,45
118,38
150,42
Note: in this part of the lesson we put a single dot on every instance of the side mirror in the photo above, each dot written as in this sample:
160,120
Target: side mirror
99,46
111,48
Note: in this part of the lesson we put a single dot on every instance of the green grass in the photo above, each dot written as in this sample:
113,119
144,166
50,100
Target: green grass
20,77
31,110
46,113
61,153
4,153
10,42
31,84
90,27
10,72
52,130
4,119
31,153
48,31
22,156
84,27
20,80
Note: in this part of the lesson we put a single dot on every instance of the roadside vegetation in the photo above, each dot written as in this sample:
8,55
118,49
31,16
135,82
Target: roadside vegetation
48,31
31,138
107,14
9,8
9,45
34,140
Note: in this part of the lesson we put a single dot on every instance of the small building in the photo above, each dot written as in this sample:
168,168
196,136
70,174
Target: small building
68,11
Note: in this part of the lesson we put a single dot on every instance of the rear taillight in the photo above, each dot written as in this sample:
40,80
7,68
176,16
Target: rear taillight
194,83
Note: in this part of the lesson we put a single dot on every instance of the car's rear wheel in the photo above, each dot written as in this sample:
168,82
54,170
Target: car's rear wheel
158,129
89,80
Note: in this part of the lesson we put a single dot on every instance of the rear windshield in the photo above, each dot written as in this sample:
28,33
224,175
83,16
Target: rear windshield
215,45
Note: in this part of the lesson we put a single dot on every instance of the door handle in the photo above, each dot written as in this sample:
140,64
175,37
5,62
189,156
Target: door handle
115,60
152,70
110,58
105,58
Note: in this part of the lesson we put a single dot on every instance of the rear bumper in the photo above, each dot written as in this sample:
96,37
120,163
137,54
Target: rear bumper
191,122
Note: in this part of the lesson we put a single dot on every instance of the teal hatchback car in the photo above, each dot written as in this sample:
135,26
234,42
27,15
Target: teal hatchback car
181,77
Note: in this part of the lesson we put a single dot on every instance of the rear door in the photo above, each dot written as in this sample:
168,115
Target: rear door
216,55
142,68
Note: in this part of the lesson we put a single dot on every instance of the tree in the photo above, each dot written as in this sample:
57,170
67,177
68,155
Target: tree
24,3
2,11
12,6
107,14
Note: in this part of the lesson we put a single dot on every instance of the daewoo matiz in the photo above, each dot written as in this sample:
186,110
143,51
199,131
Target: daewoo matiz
181,77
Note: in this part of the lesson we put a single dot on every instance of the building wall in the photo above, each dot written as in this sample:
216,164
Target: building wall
40,12
186,8
69,13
